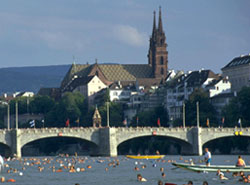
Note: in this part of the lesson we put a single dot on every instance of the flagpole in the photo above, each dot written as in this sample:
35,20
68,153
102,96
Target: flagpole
183,114
16,115
8,116
198,118
107,114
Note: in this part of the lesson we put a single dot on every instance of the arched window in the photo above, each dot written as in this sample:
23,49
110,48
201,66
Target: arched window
162,60
162,71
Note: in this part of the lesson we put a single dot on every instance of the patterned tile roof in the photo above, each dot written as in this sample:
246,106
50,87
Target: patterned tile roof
112,72
139,70
116,72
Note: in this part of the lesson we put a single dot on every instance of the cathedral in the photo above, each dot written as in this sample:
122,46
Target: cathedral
89,79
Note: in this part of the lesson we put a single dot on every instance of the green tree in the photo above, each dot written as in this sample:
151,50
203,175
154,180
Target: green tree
239,107
41,104
150,117
115,114
69,107
22,105
206,109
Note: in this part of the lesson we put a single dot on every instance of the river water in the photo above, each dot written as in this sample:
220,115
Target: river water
121,174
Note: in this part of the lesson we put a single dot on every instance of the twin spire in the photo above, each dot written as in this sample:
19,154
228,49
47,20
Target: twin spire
160,28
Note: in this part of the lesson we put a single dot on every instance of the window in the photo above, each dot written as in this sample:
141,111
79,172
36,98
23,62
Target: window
162,60
162,71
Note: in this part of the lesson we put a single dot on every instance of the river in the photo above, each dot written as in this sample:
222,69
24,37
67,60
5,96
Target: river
121,174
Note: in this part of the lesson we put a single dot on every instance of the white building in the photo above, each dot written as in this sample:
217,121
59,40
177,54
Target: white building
89,87
179,89
121,91
238,72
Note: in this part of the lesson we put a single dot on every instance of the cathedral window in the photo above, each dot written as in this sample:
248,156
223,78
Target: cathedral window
162,60
162,71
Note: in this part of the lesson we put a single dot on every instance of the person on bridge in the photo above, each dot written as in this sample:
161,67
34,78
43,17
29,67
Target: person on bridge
207,157
240,162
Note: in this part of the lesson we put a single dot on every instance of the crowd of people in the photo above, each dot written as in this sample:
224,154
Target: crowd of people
71,164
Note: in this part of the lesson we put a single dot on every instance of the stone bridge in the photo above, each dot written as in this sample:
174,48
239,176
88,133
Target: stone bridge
107,140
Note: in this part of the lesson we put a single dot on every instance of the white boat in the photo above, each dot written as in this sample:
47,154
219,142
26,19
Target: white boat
211,168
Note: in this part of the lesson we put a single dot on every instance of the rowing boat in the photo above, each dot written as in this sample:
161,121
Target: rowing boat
211,168
145,156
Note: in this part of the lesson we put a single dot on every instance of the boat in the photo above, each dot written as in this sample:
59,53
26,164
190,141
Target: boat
145,156
211,168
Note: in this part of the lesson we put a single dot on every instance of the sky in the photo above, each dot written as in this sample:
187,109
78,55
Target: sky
200,33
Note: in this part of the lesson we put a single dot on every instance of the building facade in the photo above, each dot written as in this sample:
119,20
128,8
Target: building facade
179,89
238,72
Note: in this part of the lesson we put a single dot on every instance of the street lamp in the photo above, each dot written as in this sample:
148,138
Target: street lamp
16,115
198,116
8,113
184,116
8,116
107,114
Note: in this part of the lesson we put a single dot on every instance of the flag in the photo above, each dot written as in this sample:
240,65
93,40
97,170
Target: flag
78,121
125,122
32,123
222,122
207,122
67,123
159,122
43,122
239,122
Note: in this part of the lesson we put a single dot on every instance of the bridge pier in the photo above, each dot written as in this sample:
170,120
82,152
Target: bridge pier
107,142
16,146
197,146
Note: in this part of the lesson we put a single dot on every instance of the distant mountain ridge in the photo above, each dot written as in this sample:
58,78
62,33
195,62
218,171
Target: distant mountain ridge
18,79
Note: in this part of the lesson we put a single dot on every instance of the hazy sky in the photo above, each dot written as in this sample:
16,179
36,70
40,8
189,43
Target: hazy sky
200,33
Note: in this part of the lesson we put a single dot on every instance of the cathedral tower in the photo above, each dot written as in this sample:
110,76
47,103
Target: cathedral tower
157,54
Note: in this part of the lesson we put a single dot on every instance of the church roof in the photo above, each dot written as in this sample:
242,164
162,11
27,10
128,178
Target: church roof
109,72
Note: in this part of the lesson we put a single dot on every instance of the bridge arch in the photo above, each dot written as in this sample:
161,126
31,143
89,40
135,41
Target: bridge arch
175,134
124,134
219,133
168,144
62,144
30,135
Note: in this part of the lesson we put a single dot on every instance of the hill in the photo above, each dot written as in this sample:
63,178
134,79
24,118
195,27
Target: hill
17,79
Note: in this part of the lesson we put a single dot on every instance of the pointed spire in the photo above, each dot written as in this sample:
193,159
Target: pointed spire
154,27
160,29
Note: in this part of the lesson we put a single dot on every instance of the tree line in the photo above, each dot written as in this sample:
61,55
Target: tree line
74,107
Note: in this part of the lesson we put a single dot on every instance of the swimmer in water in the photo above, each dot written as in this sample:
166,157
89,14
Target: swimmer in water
160,182
140,178
222,177
205,183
